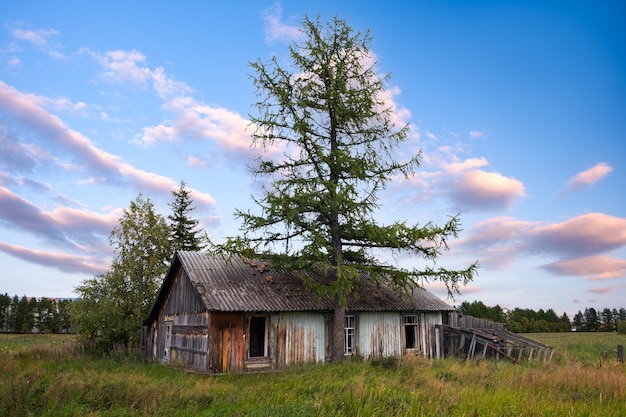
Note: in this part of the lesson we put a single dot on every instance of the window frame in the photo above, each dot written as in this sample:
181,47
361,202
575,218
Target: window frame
349,334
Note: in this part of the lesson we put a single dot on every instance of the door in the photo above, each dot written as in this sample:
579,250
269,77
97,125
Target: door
225,348
168,341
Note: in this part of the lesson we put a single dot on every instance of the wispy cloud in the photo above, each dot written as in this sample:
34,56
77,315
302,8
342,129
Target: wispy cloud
96,164
602,290
275,28
40,38
476,134
190,120
588,177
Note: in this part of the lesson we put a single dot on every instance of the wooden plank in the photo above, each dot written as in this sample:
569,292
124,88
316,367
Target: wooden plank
194,351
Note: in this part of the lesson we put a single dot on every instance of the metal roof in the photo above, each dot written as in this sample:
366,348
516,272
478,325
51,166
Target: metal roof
233,284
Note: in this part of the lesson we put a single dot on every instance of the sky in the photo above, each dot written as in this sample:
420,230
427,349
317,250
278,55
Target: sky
518,107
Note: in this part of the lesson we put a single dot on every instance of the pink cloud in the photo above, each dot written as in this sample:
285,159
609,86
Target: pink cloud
76,230
441,290
602,290
594,268
589,233
61,261
580,244
589,176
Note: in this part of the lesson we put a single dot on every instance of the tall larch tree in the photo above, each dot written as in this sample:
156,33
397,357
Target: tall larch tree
326,110
185,234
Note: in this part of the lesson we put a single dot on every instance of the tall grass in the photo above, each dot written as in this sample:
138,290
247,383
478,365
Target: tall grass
52,377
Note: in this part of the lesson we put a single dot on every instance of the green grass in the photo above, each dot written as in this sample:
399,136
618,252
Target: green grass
50,376
586,348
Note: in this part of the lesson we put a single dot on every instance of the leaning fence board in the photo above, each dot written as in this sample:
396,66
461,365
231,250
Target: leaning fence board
494,341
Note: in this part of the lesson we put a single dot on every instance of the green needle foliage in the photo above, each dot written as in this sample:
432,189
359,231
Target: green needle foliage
327,114
185,234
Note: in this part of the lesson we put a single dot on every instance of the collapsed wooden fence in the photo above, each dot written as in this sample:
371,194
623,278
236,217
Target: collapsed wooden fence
474,338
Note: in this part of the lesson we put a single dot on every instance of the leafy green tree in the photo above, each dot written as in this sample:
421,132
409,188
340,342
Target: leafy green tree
32,319
579,321
480,310
22,319
592,321
566,324
327,112
12,318
112,305
608,323
184,232
63,320
5,306
47,315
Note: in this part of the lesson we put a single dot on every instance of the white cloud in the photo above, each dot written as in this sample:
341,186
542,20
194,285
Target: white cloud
123,67
476,134
457,167
485,190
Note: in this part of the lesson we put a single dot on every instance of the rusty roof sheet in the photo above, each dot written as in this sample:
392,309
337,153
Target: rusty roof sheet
232,284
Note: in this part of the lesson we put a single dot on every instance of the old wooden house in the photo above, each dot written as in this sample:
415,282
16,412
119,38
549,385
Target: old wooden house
214,314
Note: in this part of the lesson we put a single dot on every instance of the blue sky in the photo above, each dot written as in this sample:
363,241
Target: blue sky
519,108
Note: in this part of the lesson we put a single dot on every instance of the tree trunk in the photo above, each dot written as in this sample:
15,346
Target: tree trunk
337,350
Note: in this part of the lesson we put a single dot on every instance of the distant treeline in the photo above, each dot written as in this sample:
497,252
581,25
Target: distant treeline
34,315
525,320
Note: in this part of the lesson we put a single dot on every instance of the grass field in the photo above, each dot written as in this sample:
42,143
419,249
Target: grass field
48,375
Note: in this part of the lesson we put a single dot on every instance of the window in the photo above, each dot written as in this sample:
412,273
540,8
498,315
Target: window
258,337
350,335
411,332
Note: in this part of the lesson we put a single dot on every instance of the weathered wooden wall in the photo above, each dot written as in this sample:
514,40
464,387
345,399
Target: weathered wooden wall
379,335
298,338
428,336
185,312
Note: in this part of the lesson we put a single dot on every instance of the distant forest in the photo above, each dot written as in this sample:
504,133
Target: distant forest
525,320
49,315
34,315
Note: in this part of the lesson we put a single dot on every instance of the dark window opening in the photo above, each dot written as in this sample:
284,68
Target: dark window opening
410,332
257,336
410,337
